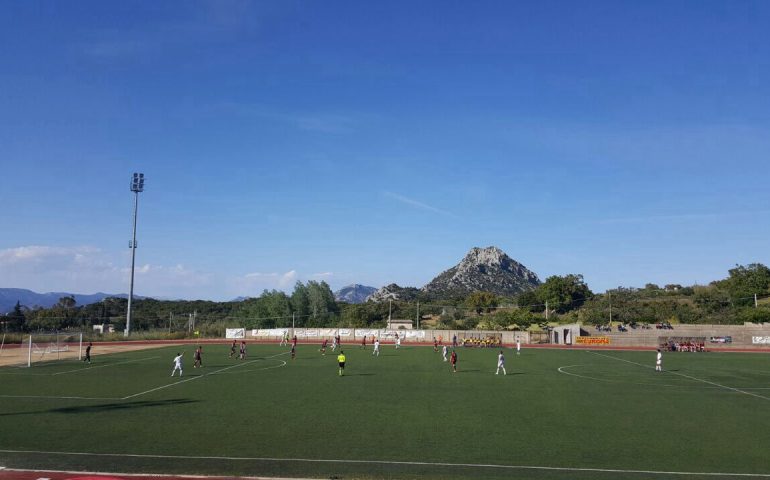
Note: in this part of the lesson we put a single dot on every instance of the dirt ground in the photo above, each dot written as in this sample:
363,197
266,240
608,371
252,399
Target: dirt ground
14,355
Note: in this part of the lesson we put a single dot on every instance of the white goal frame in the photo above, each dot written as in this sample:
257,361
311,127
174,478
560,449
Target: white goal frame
50,347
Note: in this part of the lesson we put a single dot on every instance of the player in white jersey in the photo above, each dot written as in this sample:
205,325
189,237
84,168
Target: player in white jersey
285,339
501,363
518,346
444,352
376,347
177,364
659,362
334,343
398,341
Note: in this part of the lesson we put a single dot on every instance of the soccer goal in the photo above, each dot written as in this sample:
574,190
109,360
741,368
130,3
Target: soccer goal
48,347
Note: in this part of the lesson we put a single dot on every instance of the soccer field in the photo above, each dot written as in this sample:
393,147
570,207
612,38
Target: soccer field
558,414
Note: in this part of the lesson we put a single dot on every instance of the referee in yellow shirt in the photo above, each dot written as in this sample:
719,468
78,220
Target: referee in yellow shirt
341,361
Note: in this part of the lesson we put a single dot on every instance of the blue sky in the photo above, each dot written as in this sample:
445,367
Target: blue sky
378,142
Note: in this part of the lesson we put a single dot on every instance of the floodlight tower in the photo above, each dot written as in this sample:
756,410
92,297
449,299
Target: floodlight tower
137,185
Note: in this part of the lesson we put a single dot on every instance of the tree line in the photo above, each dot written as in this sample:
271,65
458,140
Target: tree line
744,296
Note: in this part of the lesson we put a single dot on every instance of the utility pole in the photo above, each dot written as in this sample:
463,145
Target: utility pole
755,301
137,185
546,310
390,307
609,295
418,315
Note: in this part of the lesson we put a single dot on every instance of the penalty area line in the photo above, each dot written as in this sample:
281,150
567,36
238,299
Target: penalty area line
685,376
199,376
395,462
102,366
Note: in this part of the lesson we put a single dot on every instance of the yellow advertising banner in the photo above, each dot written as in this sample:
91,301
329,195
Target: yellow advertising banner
592,340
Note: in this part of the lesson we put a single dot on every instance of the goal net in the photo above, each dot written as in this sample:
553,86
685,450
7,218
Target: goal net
50,347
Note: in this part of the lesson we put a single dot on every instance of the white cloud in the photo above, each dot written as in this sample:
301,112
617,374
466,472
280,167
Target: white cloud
174,277
268,281
41,259
87,269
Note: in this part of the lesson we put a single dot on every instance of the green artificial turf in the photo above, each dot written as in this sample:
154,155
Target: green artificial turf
403,414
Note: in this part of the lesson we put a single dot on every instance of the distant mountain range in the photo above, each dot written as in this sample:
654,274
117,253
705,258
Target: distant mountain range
354,293
30,299
483,269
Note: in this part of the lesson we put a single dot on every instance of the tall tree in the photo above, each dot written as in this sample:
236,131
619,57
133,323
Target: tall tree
17,318
300,302
746,281
563,293
482,301
66,302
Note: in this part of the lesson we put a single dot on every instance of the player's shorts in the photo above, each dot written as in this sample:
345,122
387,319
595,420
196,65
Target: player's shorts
342,364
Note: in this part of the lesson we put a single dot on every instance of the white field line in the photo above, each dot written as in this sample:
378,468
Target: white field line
394,462
563,370
199,377
58,397
581,376
102,366
143,475
686,376
283,364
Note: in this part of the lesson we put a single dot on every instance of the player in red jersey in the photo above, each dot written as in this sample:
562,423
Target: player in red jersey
363,343
435,345
453,361
323,347
198,357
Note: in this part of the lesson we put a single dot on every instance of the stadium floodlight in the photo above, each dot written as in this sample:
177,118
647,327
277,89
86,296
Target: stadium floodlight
137,185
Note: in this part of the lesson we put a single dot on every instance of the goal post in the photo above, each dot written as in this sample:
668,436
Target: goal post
51,347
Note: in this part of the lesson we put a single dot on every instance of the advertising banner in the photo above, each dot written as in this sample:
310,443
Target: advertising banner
363,332
306,332
418,334
726,339
269,332
235,333
760,340
592,340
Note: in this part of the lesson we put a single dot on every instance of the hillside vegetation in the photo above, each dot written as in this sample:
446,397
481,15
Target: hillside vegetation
563,299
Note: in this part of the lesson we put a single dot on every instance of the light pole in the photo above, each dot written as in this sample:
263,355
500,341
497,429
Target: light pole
137,185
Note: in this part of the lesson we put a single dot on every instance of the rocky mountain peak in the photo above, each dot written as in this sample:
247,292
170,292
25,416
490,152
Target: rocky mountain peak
484,269
354,293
